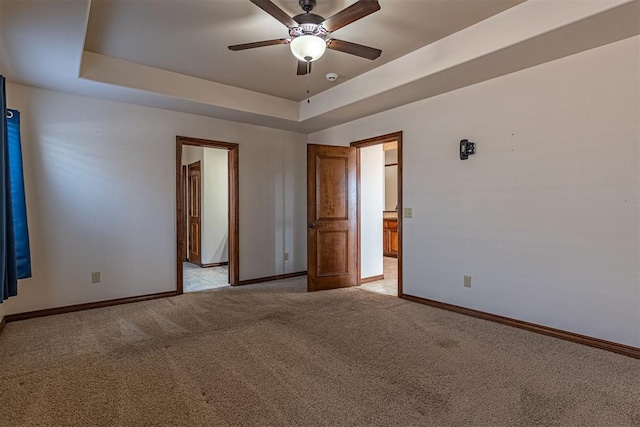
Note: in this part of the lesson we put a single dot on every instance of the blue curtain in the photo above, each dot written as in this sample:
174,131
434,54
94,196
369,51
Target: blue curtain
21,231
8,270
15,260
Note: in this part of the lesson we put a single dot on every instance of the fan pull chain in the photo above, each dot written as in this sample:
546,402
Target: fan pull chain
308,81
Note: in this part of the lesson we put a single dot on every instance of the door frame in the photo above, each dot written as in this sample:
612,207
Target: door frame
377,140
233,200
185,181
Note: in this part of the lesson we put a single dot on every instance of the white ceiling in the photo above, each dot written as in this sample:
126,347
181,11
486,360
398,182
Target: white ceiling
190,37
173,55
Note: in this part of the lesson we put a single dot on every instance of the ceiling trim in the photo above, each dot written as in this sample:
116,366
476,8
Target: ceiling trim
120,72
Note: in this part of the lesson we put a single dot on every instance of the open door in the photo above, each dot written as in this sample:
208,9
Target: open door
331,217
194,213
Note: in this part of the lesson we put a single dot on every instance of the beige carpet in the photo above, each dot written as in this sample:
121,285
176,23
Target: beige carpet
275,355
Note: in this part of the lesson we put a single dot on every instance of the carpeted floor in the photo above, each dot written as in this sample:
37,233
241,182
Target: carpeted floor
274,355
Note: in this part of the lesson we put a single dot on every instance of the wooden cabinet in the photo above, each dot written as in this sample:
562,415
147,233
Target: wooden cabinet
390,237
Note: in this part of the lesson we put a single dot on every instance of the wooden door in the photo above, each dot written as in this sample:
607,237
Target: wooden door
331,217
184,230
194,202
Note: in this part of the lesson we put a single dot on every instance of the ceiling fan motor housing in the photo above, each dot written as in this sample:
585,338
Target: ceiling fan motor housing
308,18
309,25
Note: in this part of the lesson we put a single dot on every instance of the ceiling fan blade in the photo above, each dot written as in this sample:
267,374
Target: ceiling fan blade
358,10
258,44
273,10
302,68
354,49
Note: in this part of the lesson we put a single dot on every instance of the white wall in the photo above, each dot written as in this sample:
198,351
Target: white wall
545,217
390,188
372,205
100,184
192,154
215,206
391,180
391,155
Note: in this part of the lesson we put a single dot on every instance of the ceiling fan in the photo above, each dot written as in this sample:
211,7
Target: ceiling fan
310,33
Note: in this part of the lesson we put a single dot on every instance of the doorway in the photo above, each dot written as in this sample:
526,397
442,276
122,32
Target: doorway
207,250
379,199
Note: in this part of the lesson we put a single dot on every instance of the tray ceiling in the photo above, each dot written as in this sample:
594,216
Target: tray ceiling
173,54
191,37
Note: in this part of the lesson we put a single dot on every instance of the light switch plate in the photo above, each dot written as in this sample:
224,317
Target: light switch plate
95,277
408,212
467,281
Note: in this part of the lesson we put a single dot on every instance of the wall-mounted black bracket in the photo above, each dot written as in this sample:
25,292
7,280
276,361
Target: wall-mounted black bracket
466,149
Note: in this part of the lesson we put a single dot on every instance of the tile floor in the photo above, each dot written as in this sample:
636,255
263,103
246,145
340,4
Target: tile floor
388,285
201,279
195,278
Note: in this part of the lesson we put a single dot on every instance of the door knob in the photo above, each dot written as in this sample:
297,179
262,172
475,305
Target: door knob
311,225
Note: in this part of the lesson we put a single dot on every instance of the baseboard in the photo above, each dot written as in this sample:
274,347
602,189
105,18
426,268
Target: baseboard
270,278
2,323
371,279
86,306
545,330
214,264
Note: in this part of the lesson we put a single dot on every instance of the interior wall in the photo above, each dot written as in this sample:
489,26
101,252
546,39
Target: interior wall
100,188
215,206
371,205
192,154
391,180
545,216
294,212
390,188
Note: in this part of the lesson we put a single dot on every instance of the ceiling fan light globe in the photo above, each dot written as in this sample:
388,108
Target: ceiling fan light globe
308,48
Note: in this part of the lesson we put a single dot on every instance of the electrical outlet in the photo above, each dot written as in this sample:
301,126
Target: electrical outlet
467,281
408,212
95,277
286,256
